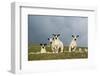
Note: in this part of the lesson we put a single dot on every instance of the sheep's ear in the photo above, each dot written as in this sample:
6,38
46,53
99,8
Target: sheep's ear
53,34
45,44
41,44
53,38
77,36
58,35
72,35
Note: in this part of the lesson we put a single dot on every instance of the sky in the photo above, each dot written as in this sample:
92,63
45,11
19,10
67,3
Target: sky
40,28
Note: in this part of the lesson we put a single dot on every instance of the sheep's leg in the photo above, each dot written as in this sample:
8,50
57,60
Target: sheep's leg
61,49
56,50
74,49
69,49
53,50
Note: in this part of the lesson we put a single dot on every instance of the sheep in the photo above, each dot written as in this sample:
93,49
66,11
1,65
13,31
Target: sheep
73,44
56,43
43,48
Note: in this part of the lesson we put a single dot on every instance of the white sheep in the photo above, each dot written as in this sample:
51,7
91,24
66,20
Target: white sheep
73,44
56,43
43,48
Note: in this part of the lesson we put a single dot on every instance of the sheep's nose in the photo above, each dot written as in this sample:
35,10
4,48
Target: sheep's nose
74,39
42,47
50,42
56,37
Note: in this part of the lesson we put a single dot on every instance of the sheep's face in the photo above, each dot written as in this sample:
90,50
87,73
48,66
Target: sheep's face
50,40
43,46
55,36
75,37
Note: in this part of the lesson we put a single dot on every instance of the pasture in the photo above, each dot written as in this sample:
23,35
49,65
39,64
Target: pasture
34,53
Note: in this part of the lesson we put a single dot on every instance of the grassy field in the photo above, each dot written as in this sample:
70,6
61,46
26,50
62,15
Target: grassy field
32,49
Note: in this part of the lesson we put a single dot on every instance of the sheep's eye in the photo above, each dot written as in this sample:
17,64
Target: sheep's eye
73,36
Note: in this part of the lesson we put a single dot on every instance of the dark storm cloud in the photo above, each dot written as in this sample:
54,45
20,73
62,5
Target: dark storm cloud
42,27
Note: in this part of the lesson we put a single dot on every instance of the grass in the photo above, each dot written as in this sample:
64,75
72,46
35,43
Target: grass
32,49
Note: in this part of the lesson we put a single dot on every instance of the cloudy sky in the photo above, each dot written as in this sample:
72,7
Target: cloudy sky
40,28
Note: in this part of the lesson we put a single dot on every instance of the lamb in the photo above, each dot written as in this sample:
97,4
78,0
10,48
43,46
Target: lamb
73,44
56,43
43,48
